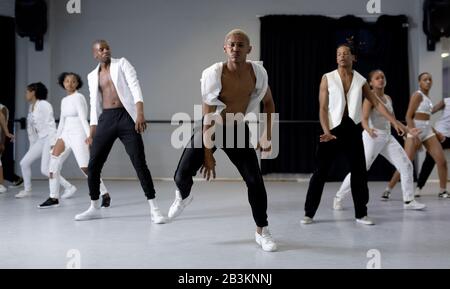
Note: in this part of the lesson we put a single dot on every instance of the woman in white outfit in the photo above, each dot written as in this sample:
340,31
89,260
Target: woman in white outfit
73,131
41,130
378,140
418,115
442,126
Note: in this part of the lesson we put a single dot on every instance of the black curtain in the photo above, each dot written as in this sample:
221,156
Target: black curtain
7,85
298,50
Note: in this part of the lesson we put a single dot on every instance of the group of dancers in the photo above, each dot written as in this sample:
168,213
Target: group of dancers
355,114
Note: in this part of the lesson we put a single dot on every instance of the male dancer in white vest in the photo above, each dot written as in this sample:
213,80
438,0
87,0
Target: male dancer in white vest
117,111
340,97
235,87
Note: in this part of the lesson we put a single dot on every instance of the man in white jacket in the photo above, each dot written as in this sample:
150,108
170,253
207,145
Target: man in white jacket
117,111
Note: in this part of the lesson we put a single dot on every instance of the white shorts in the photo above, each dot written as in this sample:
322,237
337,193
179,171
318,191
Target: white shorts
426,130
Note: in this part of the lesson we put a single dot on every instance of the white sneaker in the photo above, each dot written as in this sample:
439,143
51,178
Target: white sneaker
68,193
337,204
414,205
306,220
265,240
23,194
178,205
3,189
365,220
93,212
157,217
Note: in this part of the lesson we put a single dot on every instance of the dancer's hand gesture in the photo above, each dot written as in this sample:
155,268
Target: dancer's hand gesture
209,166
372,132
326,137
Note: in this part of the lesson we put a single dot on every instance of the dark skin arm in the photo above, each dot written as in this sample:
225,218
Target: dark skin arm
209,163
439,106
323,111
269,109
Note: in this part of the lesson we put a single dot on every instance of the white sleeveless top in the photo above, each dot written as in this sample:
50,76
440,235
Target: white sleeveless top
337,99
378,121
443,124
426,106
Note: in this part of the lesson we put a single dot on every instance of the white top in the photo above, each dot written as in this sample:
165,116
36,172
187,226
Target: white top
41,121
426,106
211,86
124,78
443,124
74,111
378,121
337,99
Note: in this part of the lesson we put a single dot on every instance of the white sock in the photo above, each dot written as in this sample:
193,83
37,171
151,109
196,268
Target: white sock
95,204
442,190
387,189
153,204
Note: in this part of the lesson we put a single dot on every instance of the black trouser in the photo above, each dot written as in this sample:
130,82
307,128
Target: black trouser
349,142
428,165
113,124
244,159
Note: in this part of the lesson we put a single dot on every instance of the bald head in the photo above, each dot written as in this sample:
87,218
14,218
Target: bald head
239,32
101,51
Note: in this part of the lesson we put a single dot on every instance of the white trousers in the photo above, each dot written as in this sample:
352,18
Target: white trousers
74,141
39,149
386,145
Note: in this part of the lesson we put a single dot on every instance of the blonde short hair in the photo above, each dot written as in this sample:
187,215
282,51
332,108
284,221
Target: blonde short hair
237,32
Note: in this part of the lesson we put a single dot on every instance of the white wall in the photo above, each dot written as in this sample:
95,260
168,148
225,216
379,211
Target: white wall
170,42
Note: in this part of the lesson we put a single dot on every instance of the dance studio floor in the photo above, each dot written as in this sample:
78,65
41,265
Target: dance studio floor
216,230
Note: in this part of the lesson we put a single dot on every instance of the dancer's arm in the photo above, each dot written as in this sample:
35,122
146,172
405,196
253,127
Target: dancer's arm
323,111
209,162
367,108
140,125
440,105
81,106
4,126
269,108
414,103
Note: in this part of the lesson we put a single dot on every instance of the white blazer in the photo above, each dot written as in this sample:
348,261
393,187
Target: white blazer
125,80
41,122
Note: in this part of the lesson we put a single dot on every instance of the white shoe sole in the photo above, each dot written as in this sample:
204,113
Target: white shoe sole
80,218
365,223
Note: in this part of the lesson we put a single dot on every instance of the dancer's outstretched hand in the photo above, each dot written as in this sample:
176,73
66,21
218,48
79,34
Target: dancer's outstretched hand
400,128
209,167
414,131
89,140
141,125
326,137
11,136
440,137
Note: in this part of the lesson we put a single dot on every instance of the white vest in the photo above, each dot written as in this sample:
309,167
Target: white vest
336,98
